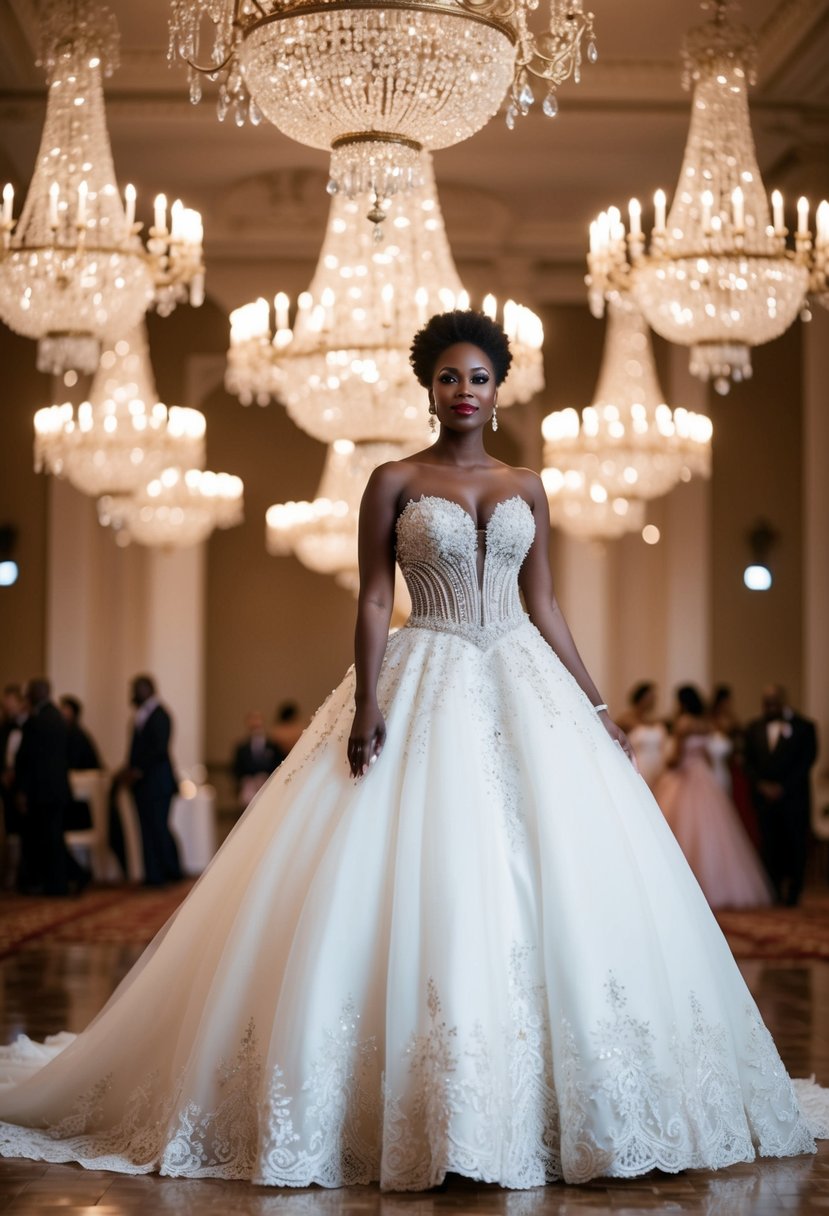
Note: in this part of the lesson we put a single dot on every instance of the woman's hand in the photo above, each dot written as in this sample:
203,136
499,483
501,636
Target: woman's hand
368,734
618,736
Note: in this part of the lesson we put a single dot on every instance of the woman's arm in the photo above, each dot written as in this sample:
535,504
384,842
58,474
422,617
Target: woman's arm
378,511
536,583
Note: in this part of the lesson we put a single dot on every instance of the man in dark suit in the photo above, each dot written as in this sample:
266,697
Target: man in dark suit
42,779
14,714
255,758
149,772
780,749
83,754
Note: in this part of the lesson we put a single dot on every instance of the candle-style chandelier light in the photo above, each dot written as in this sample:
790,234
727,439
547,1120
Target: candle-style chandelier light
72,267
377,81
343,370
123,436
628,443
718,275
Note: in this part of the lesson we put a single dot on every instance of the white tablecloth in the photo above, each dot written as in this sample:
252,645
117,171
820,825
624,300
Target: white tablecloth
192,819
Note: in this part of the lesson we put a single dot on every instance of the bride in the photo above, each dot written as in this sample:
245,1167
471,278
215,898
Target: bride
475,947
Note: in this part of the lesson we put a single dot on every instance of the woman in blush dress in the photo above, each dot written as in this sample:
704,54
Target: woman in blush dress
703,817
453,933
648,736
730,740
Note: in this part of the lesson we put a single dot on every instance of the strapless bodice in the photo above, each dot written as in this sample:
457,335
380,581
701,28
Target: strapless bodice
437,549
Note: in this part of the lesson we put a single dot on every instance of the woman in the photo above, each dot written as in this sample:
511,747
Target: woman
703,817
479,952
648,737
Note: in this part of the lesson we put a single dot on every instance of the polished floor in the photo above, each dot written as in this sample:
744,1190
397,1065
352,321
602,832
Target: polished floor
47,987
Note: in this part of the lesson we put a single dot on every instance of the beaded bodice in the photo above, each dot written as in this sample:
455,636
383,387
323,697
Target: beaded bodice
462,580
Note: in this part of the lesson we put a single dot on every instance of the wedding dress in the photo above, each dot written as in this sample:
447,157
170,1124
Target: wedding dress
487,956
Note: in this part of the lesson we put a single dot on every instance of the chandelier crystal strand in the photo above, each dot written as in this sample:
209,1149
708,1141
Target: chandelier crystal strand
122,437
718,275
72,268
589,512
180,507
378,80
628,441
322,534
343,370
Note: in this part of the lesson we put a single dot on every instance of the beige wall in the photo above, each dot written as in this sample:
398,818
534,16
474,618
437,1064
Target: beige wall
758,460
23,504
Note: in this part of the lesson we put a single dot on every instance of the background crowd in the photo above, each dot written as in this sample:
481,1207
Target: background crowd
737,796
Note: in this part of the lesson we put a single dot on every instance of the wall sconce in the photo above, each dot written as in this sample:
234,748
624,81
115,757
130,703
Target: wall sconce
9,570
761,539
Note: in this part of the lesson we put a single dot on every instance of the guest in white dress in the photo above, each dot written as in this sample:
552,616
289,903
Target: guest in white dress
648,736
703,817
453,932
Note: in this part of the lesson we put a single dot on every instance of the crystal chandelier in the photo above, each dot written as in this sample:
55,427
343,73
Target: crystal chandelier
718,275
123,436
343,370
323,534
376,81
72,267
180,507
628,443
586,510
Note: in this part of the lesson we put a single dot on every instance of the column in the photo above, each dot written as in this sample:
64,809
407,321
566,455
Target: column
687,539
816,534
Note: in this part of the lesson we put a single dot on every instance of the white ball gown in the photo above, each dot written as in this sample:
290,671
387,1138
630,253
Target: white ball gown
488,956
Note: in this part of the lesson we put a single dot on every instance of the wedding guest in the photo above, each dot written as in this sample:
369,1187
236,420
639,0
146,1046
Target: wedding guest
42,778
727,745
287,727
780,749
11,732
703,818
149,773
255,758
648,736
83,754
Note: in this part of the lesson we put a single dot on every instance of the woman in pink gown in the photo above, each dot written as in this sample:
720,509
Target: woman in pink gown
703,817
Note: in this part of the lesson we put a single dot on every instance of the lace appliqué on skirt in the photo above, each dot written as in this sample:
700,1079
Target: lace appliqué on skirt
532,1106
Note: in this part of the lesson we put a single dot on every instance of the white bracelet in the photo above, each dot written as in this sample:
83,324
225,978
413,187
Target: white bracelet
599,708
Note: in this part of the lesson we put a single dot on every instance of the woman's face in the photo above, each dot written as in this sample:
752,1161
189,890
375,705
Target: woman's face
463,387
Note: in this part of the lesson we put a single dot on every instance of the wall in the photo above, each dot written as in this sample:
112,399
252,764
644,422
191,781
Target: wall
758,458
23,504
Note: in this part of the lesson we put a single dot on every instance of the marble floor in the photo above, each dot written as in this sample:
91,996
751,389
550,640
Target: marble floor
45,988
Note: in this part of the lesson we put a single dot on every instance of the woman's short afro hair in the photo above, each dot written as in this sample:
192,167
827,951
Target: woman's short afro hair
445,329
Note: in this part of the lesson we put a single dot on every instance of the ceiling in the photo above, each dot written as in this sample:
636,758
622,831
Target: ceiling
516,203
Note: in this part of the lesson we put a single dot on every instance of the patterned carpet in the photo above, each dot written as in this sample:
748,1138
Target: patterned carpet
128,914
133,915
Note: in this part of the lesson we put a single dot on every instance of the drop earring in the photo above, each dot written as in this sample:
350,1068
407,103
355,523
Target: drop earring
495,415
433,425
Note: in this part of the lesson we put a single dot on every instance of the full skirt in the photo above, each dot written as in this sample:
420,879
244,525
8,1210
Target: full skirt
487,956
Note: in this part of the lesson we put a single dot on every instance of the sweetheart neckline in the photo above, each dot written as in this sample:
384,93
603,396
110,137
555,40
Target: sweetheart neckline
452,503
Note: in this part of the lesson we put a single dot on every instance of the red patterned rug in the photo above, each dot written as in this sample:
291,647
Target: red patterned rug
133,915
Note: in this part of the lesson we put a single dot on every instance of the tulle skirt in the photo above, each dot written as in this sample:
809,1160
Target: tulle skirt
488,956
